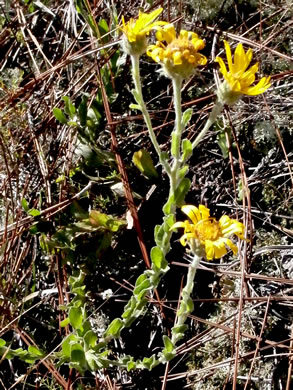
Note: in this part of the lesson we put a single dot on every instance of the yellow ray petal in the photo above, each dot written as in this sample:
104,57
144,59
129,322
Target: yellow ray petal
209,249
204,211
192,212
229,55
230,244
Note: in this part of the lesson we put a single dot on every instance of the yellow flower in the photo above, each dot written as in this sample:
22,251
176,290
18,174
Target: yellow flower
136,30
207,232
239,78
179,56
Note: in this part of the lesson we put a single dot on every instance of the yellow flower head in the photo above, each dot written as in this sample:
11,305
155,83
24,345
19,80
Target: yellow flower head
207,232
136,30
239,78
178,55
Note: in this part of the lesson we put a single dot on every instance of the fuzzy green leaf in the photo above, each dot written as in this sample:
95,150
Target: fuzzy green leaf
34,350
90,338
174,143
181,191
66,344
75,317
77,354
158,258
141,287
187,116
169,347
136,96
114,328
131,366
189,305
179,329
150,362
159,234
133,106
186,149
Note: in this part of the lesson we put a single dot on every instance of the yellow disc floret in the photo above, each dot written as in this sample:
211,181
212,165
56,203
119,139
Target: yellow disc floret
178,55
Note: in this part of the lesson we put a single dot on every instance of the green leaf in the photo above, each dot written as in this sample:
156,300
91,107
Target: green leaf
90,338
159,234
133,106
2,343
79,6
181,191
164,157
142,287
69,107
168,222
131,366
179,329
82,111
189,305
59,115
103,29
24,204
34,350
64,322
77,354
141,279
169,350
143,161
187,116
169,347
136,96
168,206
34,229
129,308
158,258
222,142
174,143
66,344
150,362
92,24
182,172
91,360
101,220
75,317
34,212
186,149
114,328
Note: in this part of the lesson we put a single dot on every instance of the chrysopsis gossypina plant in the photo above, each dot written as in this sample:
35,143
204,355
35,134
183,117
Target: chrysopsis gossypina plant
179,56
205,237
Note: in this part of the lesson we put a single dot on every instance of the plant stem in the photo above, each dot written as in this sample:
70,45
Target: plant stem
211,120
177,133
146,116
183,311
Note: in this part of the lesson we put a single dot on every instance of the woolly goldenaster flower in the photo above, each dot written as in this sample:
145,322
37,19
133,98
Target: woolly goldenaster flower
209,233
239,78
136,30
179,56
